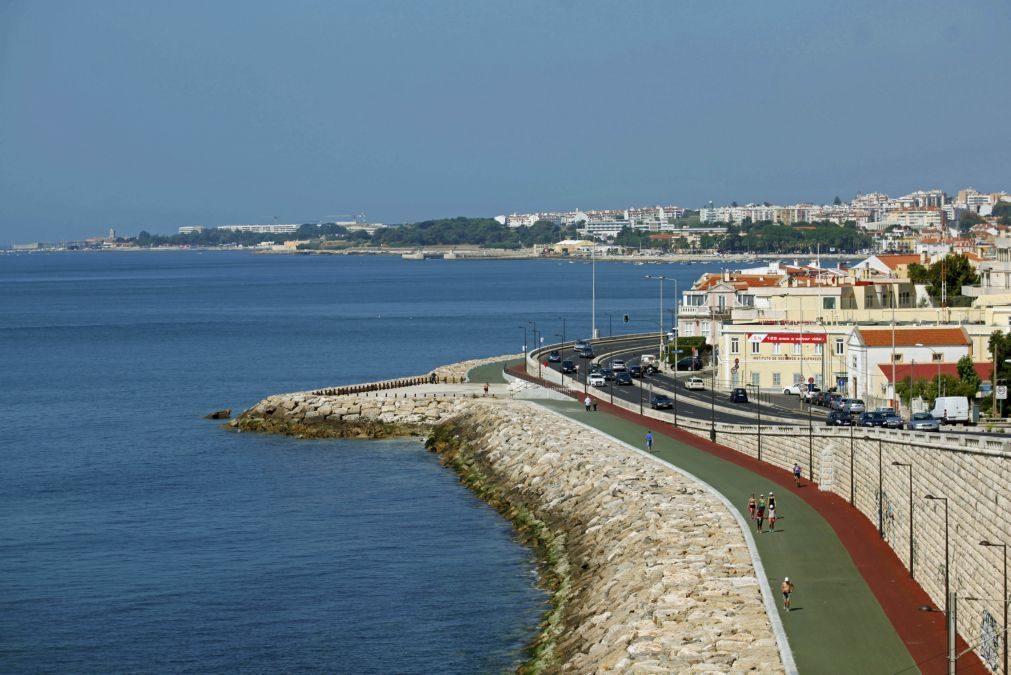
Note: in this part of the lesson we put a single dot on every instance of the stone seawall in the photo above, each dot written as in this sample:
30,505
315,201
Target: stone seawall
649,571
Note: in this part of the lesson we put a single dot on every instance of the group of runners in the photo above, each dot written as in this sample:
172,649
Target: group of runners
760,509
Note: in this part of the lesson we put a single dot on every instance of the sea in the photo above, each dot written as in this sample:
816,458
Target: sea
139,537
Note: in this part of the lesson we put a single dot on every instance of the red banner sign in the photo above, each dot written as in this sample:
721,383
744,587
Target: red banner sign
790,338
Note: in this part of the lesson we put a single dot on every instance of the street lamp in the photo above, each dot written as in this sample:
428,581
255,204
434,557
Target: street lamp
758,405
661,279
536,346
524,340
935,353
947,585
712,399
910,467
563,329
1003,598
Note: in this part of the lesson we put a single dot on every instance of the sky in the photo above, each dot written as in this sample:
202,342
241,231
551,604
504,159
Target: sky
142,115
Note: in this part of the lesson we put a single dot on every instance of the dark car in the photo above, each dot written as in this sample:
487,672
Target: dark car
894,421
661,402
584,352
554,356
689,363
635,371
607,373
568,367
821,398
622,378
871,419
837,418
739,395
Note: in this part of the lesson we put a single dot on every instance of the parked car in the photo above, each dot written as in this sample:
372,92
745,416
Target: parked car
569,367
822,398
853,405
554,356
695,382
739,395
871,419
794,389
635,371
835,401
622,378
661,402
894,420
838,418
809,394
923,421
597,380
617,365
689,363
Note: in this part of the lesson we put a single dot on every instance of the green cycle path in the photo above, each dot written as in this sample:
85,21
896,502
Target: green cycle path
836,624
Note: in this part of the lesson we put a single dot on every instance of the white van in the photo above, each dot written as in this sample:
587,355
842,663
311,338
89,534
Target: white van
952,410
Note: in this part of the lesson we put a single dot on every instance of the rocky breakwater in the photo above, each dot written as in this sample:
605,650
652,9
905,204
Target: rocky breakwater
649,572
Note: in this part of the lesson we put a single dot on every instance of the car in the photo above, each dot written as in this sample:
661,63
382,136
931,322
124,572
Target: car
584,352
650,368
822,398
893,420
569,367
793,389
810,393
554,356
835,401
739,395
853,405
924,421
661,402
622,378
617,365
695,383
607,373
871,419
581,344
597,380
635,371
689,363
838,418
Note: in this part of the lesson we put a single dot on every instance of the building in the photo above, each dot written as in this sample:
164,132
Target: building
263,229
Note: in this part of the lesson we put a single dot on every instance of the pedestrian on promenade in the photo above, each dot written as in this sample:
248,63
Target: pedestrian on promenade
587,402
649,441
760,512
594,405
796,474
787,588
751,506
485,388
772,516
772,502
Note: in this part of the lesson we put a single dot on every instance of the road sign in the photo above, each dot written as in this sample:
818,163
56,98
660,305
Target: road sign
1001,392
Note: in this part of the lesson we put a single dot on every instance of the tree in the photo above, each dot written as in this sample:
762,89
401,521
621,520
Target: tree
837,201
1002,211
968,219
953,272
967,373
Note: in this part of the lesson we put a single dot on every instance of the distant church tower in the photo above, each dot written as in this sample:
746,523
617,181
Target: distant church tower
112,233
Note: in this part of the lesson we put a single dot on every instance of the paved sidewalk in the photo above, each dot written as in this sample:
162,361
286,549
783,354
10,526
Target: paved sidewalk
837,624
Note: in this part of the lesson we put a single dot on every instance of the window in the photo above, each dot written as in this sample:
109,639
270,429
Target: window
798,378
735,347
904,298
828,303
839,347
897,358
756,347
854,364
756,378
777,380
745,300
818,348
705,328
797,348
775,348
937,357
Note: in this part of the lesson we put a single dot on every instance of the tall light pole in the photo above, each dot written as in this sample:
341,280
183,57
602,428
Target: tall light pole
524,340
536,346
947,564
1003,598
712,399
593,301
758,405
563,328
661,279
910,467
894,389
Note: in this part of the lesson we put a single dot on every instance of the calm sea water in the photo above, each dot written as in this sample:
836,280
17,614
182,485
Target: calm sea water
139,537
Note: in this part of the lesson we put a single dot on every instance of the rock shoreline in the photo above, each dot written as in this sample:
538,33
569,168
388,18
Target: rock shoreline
648,571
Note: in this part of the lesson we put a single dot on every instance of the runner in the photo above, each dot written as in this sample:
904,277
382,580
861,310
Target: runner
649,441
751,506
772,516
787,588
796,475
760,512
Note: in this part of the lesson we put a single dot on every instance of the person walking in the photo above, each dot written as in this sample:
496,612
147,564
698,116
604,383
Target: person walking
772,503
787,588
485,388
760,512
751,506
796,474
587,402
772,516
649,441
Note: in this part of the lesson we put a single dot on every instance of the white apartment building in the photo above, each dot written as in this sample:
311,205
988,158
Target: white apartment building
263,229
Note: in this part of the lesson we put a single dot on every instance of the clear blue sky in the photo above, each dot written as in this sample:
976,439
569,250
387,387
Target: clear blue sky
151,115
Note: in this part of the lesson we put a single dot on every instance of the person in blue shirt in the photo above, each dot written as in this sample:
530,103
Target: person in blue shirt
649,440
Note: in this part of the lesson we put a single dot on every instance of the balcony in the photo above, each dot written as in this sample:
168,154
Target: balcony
755,314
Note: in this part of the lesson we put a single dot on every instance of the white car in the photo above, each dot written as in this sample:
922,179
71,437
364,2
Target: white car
617,365
794,389
597,380
695,383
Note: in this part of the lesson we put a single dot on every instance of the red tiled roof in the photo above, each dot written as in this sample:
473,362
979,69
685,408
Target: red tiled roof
909,337
925,371
893,261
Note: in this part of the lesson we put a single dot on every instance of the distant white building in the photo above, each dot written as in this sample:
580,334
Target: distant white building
263,229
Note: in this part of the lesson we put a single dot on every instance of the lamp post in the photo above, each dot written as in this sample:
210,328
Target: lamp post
563,328
947,584
1003,598
934,352
593,300
852,492
536,347
758,405
524,340
712,399
910,467
661,279
881,508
